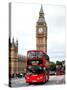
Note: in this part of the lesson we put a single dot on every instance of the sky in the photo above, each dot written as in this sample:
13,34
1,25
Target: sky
24,18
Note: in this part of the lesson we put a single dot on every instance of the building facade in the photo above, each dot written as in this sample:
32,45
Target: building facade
17,64
13,57
41,32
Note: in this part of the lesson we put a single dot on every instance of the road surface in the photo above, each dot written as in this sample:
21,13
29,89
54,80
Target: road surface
53,80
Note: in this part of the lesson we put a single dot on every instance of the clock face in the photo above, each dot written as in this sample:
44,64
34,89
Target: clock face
40,30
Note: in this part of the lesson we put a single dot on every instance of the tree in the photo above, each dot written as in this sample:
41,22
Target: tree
58,63
52,66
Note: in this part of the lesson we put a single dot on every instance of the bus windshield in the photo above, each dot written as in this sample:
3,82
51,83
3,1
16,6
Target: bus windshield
34,55
34,69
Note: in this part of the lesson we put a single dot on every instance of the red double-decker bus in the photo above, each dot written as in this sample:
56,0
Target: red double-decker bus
37,70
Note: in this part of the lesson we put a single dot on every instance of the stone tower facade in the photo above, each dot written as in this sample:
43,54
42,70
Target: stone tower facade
41,32
17,63
13,57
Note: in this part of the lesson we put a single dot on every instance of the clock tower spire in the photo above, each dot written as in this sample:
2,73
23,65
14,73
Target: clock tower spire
41,32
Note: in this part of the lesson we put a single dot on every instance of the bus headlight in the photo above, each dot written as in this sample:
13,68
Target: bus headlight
40,77
27,77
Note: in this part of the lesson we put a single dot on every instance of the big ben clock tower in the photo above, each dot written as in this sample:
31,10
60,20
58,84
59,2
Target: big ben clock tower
41,32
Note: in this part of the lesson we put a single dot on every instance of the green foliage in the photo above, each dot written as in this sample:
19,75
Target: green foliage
52,66
58,63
